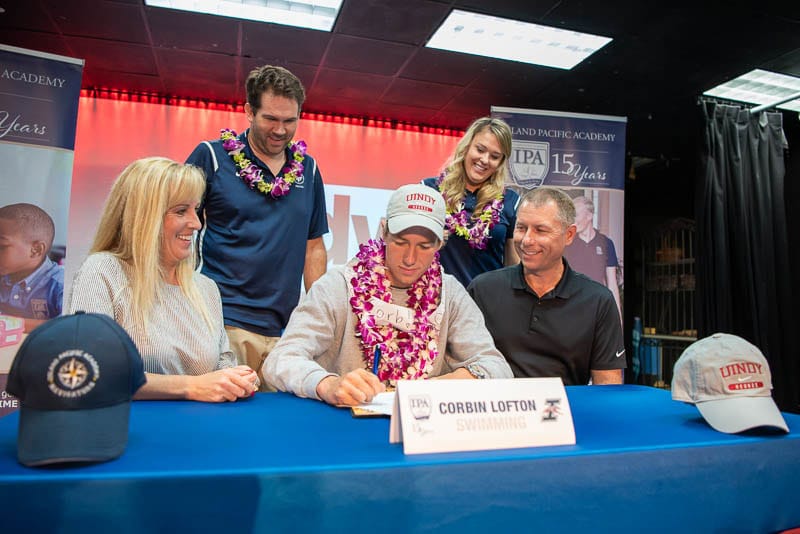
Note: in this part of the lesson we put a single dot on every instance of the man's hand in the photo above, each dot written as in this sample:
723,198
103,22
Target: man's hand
223,385
460,373
611,376
356,387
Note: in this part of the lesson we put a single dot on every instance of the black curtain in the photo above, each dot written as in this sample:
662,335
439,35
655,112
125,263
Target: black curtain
744,283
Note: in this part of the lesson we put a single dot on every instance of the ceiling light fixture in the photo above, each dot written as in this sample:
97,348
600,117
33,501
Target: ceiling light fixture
761,87
313,14
514,40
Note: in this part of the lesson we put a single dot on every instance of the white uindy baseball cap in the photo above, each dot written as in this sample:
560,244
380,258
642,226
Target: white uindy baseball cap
728,379
416,205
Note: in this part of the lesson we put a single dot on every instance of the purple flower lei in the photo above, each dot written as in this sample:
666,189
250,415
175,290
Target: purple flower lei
252,175
404,355
458,223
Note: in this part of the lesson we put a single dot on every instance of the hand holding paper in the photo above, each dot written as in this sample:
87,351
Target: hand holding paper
381,405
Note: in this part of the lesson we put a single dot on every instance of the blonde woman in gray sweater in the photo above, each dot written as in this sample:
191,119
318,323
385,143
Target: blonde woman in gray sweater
140,271
389,314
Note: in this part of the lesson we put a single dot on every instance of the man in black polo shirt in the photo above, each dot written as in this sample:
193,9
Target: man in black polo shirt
547,319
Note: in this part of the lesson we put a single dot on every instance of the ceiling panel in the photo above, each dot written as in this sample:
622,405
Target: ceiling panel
407,21
184,70
350,85
471,102
176,29
100,20
429,95
600,18
525,10
50,42
367,55
273,42
432,65
114,56
31,15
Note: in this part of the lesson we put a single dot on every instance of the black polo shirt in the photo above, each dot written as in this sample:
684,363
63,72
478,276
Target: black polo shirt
567,332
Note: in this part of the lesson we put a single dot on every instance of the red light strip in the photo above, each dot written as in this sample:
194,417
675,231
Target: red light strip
372,122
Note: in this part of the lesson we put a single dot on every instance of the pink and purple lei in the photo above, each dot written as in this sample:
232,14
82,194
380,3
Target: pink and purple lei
404,355
458,223
252,175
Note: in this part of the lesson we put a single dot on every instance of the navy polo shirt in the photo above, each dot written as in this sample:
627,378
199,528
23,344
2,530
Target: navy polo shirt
567,332
254,246
465,262
592,258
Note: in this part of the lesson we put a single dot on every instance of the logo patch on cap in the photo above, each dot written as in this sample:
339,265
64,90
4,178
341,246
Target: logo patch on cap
73,373
742,375
416,205
419,197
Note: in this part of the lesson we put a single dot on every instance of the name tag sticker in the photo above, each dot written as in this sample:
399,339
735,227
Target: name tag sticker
471,415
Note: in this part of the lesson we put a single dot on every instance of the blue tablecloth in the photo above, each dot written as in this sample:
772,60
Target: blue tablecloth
642,462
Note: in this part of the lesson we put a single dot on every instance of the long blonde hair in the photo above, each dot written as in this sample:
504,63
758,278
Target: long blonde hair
131,228
455,179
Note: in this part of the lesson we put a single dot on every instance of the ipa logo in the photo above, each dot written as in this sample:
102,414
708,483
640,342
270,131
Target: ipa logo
420,406
530,161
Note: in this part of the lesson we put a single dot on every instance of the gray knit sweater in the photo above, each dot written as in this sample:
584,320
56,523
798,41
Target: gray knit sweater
320,338
178,341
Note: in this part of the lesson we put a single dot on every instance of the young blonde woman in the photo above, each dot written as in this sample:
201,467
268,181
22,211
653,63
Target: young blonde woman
141,272
481,213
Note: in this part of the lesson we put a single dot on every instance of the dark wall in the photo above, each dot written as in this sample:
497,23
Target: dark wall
665,190
791,127
660,192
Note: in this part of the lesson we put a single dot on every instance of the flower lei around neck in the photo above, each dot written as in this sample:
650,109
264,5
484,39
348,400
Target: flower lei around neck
458,222
252,175
404,355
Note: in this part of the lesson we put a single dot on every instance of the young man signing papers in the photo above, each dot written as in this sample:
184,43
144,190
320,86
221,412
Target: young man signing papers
391,302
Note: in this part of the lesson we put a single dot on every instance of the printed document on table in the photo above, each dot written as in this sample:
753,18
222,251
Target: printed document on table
381,404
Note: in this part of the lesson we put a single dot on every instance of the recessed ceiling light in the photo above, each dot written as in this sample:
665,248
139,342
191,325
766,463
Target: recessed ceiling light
314,14
761,87
485,35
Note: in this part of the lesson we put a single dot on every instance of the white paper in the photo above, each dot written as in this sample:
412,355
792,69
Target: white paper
382,403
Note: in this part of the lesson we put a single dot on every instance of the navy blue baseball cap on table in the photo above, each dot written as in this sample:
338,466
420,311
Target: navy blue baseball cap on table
75,376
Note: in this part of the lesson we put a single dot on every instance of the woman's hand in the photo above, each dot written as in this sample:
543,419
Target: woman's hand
223,385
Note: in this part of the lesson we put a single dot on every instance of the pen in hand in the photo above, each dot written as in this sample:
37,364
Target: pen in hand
376,360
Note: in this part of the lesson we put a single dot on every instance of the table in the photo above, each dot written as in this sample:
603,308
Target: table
277,463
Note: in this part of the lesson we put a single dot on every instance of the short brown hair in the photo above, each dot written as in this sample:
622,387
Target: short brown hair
275,80
542,195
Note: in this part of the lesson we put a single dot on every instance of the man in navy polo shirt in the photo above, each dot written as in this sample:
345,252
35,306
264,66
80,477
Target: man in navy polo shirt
591,252
545,318
264,215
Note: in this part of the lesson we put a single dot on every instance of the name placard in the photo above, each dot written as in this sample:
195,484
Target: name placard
470,415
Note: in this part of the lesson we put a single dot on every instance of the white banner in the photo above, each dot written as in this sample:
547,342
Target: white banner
39,95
